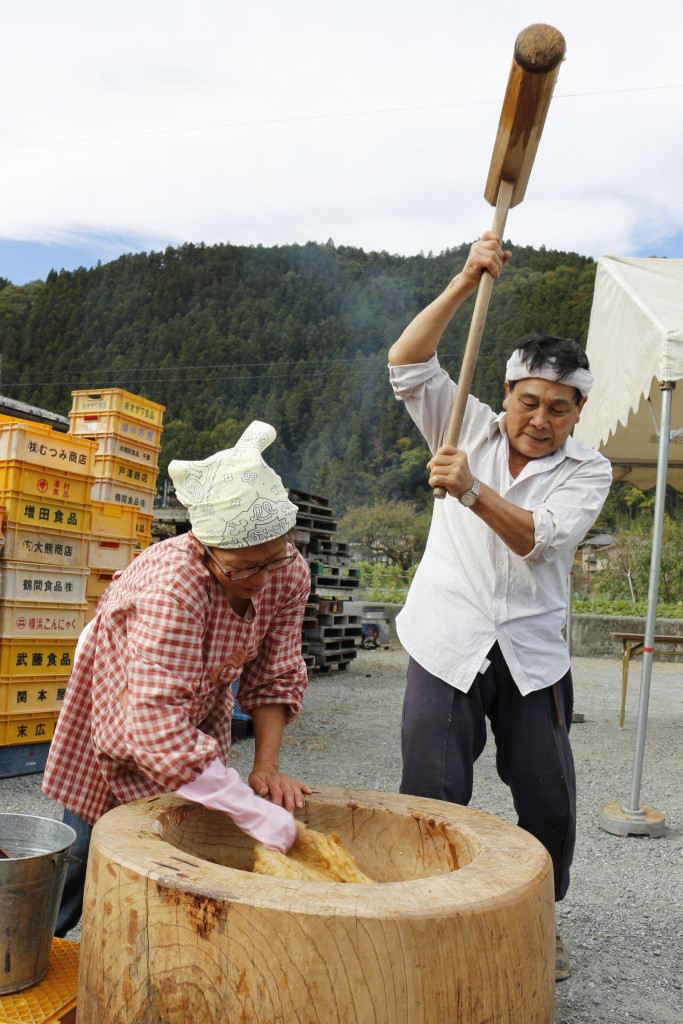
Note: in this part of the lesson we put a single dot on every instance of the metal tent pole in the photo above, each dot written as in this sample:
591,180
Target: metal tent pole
633,819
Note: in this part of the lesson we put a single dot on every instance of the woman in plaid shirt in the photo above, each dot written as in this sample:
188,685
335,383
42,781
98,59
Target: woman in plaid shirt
149,702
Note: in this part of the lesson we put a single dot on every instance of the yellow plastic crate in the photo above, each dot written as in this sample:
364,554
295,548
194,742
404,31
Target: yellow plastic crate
52,1000
115,400
110,519
31,619
37,546
22,581
143,525
32,481
98,581
51,449
30,657
48,513
31,727
110,552
92,603
117,493
99,423
132,451
18,696
126,473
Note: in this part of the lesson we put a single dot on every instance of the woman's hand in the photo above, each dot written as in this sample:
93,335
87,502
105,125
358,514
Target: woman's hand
267,780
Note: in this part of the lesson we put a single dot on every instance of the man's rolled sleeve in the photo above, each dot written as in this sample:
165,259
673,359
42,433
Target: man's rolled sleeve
544,532
428,393
563,519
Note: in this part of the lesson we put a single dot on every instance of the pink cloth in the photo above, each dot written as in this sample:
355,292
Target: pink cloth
222,789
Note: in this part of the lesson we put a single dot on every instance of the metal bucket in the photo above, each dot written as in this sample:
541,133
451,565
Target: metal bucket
31,886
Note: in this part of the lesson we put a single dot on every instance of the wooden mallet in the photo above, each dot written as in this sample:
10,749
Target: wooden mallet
539,51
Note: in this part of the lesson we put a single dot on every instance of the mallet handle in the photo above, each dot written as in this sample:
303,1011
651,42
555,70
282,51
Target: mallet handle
539,51
481,306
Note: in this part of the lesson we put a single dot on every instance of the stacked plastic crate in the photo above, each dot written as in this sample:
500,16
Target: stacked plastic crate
46,479
127,431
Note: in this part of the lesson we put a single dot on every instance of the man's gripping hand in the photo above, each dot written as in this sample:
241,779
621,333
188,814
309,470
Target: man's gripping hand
449,469
486,254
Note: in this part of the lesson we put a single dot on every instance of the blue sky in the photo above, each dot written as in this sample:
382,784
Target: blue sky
148,124
24,261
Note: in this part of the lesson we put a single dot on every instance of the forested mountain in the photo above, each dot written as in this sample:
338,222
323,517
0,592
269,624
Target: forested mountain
295,335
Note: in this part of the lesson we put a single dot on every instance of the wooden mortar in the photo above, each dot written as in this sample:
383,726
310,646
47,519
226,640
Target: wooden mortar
177,929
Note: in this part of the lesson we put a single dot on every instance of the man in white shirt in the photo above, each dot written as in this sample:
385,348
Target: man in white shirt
484,616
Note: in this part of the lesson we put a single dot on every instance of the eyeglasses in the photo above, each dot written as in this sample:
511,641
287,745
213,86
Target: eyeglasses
252,570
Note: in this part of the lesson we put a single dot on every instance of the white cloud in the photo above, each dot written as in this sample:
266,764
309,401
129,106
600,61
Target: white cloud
369,122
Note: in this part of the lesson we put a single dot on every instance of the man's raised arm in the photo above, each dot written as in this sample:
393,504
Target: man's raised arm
419,341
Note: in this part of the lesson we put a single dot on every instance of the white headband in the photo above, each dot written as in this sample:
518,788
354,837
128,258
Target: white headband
517,369
234,498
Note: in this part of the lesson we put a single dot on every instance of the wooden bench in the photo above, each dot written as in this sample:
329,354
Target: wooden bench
633,644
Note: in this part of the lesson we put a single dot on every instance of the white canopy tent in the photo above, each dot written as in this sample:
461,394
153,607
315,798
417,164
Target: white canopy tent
635,340
635,348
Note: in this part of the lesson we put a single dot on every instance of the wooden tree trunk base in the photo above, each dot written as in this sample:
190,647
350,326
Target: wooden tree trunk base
176,928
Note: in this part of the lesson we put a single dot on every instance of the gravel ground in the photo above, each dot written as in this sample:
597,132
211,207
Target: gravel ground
623,916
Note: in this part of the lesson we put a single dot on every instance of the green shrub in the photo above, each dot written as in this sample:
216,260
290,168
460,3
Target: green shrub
385,584
621,606
388,584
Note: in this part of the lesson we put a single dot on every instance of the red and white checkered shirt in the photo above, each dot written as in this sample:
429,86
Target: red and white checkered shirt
149,702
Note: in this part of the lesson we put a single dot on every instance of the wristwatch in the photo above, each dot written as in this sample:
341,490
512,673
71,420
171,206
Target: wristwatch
469,497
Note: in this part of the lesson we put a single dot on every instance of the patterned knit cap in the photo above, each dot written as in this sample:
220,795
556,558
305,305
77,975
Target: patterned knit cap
234,498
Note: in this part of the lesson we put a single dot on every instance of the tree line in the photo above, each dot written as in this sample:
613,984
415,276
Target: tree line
296,335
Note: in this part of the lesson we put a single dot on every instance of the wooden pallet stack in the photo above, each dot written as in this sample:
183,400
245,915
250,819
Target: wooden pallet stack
330,635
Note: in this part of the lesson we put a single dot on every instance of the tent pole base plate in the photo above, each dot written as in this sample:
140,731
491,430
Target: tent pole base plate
621,821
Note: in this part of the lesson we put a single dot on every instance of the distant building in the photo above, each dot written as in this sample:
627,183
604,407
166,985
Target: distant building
22,411
594,553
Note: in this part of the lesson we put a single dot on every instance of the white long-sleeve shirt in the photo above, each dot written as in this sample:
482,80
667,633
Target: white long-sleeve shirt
470,589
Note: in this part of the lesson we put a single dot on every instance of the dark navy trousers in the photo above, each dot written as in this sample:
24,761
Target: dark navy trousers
71,906
444,731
